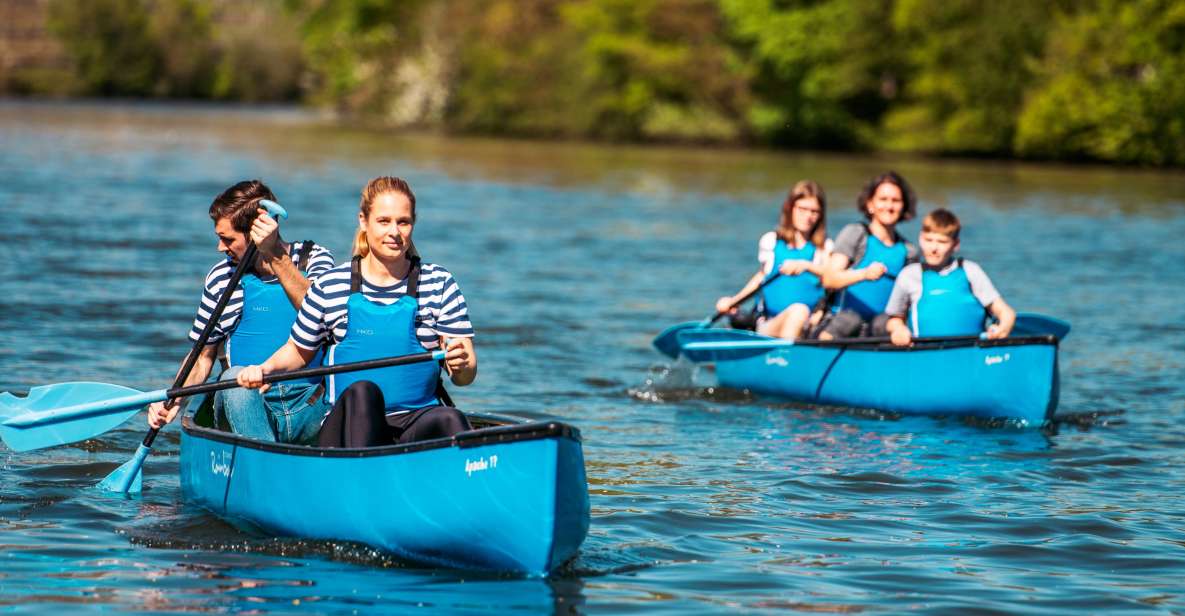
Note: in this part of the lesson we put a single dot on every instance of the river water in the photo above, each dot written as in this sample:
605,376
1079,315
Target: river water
572,257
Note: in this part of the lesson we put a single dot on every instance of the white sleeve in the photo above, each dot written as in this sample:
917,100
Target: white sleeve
765,251
981,286
906,290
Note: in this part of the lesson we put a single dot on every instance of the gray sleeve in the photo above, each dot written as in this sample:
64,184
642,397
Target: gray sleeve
981,286
851,243
906,291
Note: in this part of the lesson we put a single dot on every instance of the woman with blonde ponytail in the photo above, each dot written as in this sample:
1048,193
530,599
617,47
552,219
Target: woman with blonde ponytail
385,302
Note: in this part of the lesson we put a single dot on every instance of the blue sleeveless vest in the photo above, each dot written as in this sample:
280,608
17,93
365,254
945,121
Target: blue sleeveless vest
869,297
375,331
947,306
264,324
786,291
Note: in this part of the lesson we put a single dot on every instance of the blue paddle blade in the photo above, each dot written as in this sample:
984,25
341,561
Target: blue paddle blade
711,345
127,478
1034,324
28,423
667,341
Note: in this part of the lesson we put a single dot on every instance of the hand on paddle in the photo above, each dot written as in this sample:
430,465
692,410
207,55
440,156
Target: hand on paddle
264,232
726,305
460,360
251,377
794,267
159,414
875,270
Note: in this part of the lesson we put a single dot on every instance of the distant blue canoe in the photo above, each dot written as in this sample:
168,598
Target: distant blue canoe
1014,378
506,497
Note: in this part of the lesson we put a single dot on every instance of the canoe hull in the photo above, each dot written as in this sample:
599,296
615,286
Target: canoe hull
510,498
1012,379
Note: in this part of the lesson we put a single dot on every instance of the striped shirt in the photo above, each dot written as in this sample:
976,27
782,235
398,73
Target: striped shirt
320,261
441,309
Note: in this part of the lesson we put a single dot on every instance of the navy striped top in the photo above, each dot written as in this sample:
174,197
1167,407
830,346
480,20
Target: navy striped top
441,307
320,261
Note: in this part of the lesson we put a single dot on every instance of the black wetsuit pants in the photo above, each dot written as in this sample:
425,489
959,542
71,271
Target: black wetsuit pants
358,419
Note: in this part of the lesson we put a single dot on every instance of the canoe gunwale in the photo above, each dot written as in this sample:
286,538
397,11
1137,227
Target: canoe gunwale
918,344
526,431
929,344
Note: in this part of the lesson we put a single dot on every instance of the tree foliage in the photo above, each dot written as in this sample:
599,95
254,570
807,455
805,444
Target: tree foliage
1062,79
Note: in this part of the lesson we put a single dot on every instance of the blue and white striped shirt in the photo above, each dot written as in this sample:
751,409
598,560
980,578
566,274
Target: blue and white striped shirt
441,309
320,261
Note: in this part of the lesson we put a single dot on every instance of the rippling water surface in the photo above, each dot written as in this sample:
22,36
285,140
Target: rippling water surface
572,258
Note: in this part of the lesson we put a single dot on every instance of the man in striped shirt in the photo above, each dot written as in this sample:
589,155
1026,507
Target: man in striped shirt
256,319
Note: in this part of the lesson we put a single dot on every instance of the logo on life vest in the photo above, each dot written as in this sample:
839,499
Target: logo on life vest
364,332
939,291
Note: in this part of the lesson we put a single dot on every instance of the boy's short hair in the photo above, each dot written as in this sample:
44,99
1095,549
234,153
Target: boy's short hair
240,203
942,221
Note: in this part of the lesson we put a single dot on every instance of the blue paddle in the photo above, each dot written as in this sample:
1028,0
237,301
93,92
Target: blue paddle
667,341
1033,324
127,476
54,414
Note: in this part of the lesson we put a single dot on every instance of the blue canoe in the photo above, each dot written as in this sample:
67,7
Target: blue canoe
506,496
1013,378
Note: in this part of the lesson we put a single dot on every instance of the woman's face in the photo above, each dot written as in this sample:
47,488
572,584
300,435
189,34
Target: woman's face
389,226
886,204
804,215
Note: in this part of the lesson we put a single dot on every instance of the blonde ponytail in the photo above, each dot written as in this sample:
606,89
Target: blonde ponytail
361,248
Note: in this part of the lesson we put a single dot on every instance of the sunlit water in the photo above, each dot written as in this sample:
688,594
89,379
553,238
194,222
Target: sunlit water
572,258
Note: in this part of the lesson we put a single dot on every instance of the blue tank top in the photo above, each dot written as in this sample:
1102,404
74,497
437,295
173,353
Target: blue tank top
786,291
264,324
869,297
947,307
374,331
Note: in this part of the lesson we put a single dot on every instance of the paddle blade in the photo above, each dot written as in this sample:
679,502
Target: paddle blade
49,430
1033,324
728,350
667,341
128,477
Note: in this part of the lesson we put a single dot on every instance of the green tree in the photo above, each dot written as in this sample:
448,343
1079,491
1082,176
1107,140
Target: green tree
823,72
1111,86
969,65
110,44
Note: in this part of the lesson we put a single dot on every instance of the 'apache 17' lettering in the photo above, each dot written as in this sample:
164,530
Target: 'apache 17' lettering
480,464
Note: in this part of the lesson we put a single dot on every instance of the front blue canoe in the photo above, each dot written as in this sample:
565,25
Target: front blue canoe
508,498
1014,378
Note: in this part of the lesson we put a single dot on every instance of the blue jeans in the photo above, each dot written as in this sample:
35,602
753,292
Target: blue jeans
283,414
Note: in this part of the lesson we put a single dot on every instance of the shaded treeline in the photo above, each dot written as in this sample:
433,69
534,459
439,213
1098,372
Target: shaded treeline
1062,79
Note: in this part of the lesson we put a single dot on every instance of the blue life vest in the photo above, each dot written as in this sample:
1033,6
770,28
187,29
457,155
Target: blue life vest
265,322
805,288
947,307
375,331
869,297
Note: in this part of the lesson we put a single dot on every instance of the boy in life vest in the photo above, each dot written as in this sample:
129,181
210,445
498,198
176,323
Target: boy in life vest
944,295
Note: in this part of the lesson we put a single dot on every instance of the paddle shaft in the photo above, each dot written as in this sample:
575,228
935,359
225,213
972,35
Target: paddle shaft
305,373
35,418
747,297
215,315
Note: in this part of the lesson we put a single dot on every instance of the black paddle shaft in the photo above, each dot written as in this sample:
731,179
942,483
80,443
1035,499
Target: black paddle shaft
215,315
747,297
369,364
